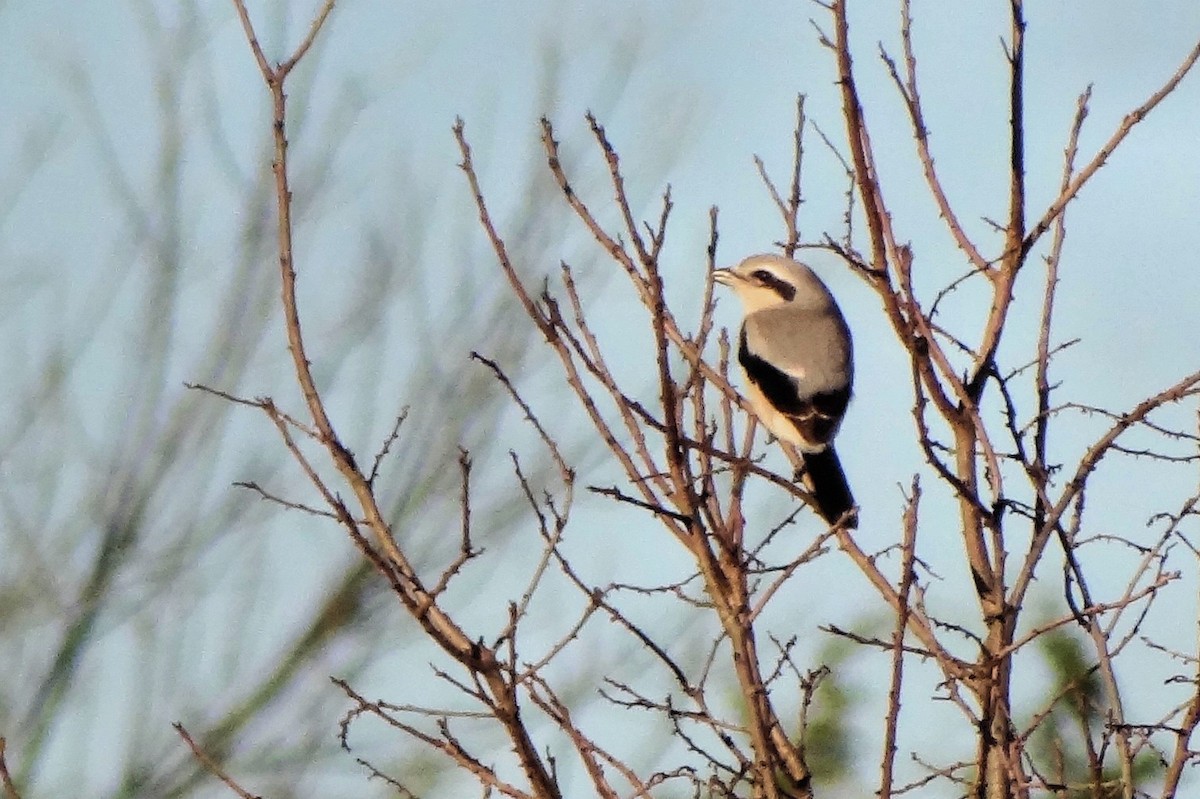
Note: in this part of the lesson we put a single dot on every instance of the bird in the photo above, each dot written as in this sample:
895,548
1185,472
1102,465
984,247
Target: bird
798,359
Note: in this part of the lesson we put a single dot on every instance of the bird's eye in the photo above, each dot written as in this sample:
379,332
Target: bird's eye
762,275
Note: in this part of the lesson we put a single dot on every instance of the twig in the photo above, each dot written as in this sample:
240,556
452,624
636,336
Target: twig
551,445
445,742
617,494
789,209
1106,150
495,687
910,92
278,74
10,790
211,765
261,403
391,439
908,579
284,503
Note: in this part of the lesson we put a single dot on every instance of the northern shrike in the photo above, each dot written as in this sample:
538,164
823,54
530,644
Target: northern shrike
795,350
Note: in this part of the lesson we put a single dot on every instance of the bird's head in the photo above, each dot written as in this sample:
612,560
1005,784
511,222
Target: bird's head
769,281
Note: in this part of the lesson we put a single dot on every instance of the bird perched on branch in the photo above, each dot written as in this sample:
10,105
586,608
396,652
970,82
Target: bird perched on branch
795,350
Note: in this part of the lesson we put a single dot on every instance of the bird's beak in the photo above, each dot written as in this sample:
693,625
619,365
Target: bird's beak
725,277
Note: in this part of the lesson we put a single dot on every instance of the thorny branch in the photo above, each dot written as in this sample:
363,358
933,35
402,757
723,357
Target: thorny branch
957,401
688,460
666,483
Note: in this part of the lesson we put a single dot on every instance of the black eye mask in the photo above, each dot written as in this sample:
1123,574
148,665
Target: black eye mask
781,287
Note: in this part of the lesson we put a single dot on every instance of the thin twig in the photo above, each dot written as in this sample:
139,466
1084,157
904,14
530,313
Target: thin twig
908,577
284,503
10,789
1106,150
211,765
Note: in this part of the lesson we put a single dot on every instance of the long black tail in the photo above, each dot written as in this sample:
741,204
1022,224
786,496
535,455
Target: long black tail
823,476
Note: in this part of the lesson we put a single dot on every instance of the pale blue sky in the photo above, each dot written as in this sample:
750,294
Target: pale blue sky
688,92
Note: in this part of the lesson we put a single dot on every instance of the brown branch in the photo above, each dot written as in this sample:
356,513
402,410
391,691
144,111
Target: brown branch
1090,612
552,537
678,463
1106,150
585,345
466,551
274,78
809,554
789,209
589,752
555,331
862,155
794,196
481,661
342,457
375,773
845,248
911,94
615,249
908,577
260,403
567,472
621,199
1182,753
391,439
1013,258
1039,469
1089,410
447,744
211,765
932,367
279,73
1188,386
284,503
615,493
707,305
920,625
10,789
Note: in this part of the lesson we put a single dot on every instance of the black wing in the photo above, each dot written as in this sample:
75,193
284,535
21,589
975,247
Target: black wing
816,416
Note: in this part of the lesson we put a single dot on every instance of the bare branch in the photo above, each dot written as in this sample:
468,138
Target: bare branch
10,790
789,210
1106,150
391,439
907,580
284,503
1188,386
911,94
211,765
